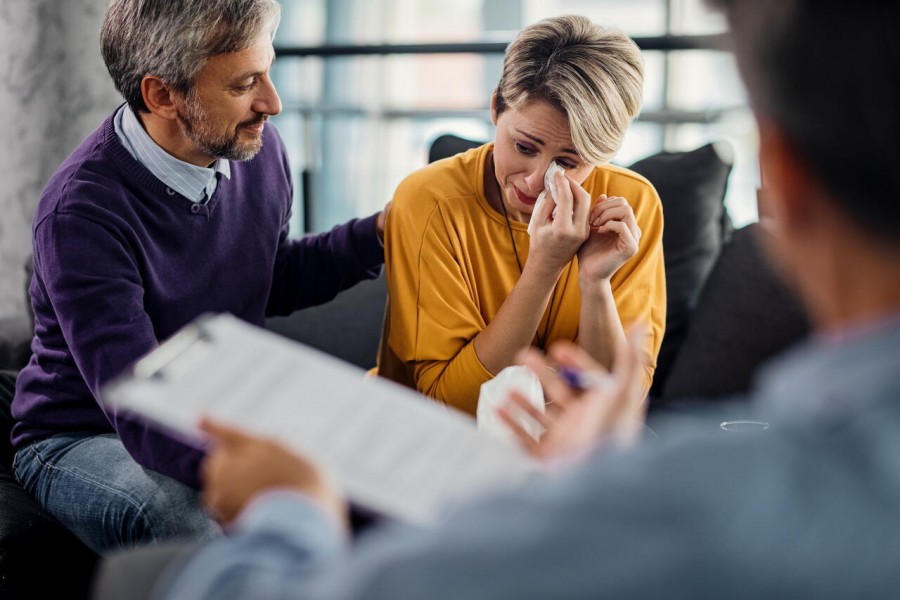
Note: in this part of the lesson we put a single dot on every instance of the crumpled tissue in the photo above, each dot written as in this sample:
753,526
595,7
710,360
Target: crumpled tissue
494,393
549,186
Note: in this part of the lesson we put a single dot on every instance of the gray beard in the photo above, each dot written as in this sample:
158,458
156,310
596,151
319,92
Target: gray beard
225,146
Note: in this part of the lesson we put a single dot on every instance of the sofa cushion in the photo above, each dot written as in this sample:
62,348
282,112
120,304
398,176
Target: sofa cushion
15,342
16,332
348,327
744,316
692,188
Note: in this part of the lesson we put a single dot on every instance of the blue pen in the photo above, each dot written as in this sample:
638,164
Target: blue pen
585,380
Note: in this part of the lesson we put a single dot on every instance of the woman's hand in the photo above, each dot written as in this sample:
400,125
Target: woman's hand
610,407
558,237
613,239
238,466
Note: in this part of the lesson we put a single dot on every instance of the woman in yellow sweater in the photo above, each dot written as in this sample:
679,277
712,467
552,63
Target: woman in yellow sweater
468,286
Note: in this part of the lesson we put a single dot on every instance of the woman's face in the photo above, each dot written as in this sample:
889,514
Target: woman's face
528,140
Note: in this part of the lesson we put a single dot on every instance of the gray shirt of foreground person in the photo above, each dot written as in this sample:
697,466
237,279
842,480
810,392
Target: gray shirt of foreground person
808,509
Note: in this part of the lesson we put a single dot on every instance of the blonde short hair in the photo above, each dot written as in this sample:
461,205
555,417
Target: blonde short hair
593,74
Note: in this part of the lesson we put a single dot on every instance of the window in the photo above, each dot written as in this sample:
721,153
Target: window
356,125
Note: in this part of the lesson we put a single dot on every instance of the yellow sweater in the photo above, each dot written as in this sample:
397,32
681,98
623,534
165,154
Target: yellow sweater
450,265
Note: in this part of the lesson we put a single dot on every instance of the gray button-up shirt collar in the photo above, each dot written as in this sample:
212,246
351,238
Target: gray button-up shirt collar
197,184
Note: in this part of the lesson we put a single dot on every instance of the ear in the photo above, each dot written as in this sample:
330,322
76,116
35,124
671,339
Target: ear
158,97
494,108
789,189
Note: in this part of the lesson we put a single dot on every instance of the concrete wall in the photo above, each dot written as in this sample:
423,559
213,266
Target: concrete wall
54,90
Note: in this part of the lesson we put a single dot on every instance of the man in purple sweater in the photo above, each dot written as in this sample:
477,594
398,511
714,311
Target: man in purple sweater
177,205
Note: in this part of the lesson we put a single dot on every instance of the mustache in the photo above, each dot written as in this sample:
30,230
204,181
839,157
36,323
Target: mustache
254,121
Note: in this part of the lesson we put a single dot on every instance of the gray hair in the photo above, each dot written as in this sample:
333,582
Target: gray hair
172,39
827,72
593,74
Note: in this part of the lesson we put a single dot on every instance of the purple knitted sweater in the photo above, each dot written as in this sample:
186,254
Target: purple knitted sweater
121,262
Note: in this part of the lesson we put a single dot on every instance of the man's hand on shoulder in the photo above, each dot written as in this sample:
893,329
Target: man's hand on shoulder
380,221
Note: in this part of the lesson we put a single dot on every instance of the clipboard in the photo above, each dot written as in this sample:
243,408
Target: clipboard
393,451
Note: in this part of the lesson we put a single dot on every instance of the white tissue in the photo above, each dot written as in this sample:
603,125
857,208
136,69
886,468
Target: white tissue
494,393
549,185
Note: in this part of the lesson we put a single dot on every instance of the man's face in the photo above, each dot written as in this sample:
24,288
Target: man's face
224,115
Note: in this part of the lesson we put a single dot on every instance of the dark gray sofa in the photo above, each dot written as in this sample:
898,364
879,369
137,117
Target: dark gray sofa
727,313
39,558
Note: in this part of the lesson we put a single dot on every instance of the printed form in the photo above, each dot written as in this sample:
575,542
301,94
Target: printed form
391,450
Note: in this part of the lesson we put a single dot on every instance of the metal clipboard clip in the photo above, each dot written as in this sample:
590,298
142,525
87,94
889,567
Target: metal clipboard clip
179,353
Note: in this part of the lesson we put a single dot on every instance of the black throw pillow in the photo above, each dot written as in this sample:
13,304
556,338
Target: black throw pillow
448,145
692,188
348,327
744,317
15,342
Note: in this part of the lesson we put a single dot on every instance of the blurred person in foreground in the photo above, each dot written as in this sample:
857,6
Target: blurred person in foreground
806,509
478,267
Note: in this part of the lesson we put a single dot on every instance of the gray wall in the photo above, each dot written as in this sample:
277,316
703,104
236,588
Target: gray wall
54,91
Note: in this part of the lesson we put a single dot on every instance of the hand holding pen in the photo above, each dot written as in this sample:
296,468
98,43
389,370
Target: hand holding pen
585,403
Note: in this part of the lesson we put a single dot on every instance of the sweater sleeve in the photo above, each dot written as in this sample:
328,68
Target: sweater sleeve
315,268
97,294
434,306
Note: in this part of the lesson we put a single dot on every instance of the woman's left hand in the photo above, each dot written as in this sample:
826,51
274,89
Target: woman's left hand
613,239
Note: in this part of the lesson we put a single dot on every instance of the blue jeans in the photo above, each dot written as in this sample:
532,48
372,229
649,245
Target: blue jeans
91,485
